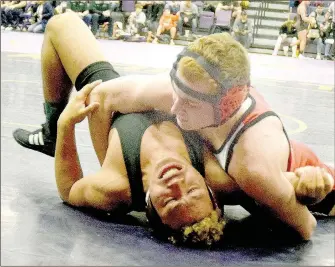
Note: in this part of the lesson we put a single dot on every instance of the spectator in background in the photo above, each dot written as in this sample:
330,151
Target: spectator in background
81,9
200,5
225,5
288,36
331,13
118,31
25,19
61,7
44,12
78,7
327,37
210,6
188,16
155,10
144,5
174,7
167,23
238,7
319,13
302,26
314,35
99,13
293,6
12,13
243,30
136,21
4,5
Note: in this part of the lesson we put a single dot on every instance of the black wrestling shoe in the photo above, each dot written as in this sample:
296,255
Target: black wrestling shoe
38,140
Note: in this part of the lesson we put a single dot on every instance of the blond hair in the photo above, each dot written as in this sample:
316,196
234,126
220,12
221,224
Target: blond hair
204,233
225,53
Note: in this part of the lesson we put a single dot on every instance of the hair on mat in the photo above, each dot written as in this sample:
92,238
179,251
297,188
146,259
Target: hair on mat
204,233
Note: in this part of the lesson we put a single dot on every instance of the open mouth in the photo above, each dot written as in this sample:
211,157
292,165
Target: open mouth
169,171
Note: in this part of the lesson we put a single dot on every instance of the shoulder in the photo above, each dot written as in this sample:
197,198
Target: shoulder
262,147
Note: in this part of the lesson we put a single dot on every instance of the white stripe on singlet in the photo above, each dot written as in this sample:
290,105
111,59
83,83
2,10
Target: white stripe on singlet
223,154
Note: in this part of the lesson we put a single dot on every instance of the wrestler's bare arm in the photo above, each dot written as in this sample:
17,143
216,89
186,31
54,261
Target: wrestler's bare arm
135,93
257,167
311,184
107,188
127,94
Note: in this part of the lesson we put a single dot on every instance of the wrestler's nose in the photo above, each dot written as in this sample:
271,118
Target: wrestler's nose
177,186
177,105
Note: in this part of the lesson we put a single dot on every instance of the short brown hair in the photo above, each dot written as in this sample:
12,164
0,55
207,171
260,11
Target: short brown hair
223,51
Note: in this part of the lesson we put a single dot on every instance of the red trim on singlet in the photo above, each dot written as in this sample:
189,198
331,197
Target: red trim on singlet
300,154
260,107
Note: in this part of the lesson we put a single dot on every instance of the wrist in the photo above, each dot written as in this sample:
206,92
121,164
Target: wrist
64,122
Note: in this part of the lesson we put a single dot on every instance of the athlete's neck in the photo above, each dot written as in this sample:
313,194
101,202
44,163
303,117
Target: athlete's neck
160,142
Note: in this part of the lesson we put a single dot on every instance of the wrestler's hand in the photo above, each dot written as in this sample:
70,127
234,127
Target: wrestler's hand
313,185
77,110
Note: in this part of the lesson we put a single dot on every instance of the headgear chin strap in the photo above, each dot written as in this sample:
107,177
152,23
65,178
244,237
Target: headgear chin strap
226,102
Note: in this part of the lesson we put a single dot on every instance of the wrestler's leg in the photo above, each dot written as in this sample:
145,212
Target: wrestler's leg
68,48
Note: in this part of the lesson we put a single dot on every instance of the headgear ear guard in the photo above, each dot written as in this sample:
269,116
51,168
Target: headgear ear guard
226,102
161,229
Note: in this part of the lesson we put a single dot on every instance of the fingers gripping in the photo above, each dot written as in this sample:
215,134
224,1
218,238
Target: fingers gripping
87,89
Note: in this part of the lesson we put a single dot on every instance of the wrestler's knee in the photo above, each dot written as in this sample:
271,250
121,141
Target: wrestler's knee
61,22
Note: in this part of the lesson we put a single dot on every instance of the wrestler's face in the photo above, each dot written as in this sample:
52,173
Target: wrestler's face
179,193
191,113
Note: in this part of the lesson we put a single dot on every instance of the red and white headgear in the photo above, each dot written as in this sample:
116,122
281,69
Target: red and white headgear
228,99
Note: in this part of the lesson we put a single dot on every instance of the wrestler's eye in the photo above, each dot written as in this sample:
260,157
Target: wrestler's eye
168,200
192,189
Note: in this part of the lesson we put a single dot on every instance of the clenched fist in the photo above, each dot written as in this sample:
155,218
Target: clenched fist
313,184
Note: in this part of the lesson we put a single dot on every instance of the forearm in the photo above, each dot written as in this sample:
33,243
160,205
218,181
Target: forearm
121,94
67,165
297,216
100,125
275,192
282,201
